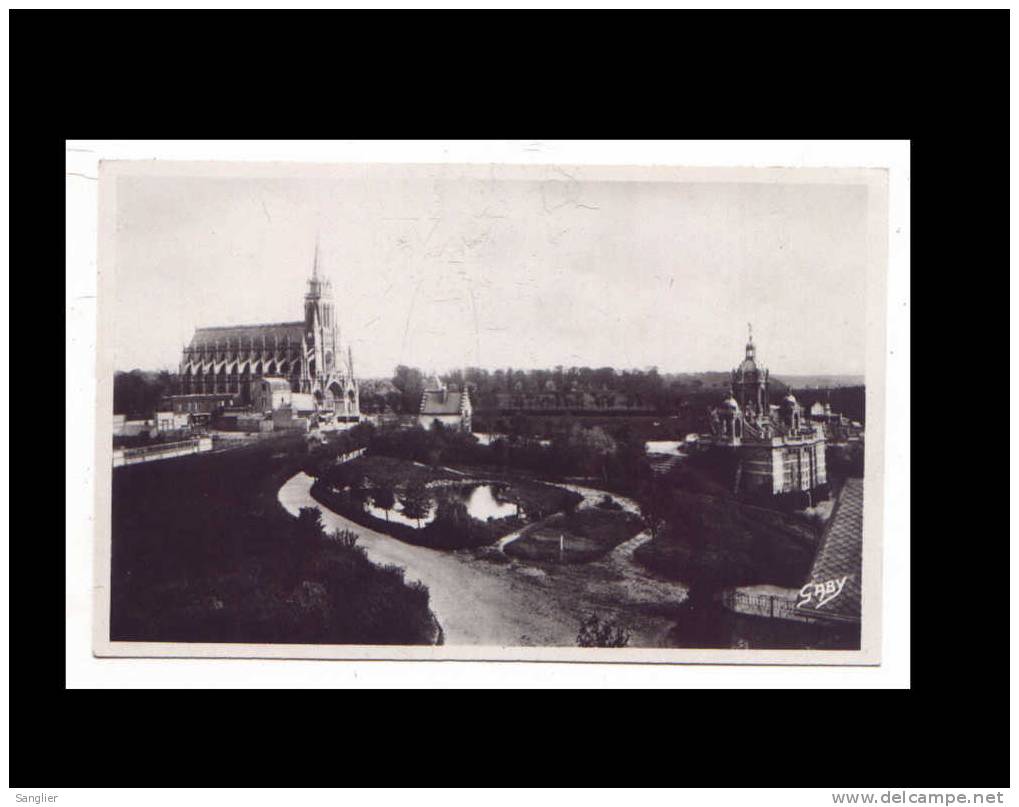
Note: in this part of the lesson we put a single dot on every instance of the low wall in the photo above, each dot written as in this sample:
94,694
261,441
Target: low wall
162,451
768,605
283,420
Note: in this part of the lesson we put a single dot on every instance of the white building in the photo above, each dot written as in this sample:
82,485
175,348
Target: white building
271,393
451,408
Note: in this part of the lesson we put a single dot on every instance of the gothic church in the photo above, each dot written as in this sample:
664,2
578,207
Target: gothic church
223,365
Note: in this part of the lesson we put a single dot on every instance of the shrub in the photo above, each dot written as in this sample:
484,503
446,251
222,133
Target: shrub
595,632
608,503
204,552
345,538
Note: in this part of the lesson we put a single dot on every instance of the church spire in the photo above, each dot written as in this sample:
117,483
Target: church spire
750,341
314,284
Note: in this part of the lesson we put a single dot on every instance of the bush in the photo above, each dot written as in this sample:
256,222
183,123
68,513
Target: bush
345,538
595,632
608,503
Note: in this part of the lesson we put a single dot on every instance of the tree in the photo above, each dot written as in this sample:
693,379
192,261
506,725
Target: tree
138,393
307,534
452,519
410,382
360,491
308,528
519,428
653,506
594,448
383,496
715,545
416,502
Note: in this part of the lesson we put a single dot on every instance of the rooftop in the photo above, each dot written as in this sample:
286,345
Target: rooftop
440,402
841,555
220,333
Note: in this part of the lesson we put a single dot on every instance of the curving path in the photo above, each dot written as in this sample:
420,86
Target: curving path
482,598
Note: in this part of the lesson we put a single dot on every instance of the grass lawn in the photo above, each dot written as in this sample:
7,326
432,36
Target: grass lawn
389,470
587,535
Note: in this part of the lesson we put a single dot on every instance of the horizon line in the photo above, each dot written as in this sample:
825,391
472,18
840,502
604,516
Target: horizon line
614,368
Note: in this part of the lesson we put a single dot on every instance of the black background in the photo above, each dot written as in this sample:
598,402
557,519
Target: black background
931,77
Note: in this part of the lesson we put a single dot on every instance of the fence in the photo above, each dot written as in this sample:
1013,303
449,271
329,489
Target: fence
350,455
160,451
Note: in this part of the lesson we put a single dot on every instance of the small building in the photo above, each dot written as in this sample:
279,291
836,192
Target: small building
133,428
171,421
451,408
270,393
837,427
201,403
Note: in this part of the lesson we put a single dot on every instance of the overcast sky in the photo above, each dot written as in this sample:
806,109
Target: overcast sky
444,273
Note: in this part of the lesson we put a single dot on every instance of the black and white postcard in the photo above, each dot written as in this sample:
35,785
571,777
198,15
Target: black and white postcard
497,412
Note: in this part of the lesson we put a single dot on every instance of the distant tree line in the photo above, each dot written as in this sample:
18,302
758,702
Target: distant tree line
848,401
645,389
137,394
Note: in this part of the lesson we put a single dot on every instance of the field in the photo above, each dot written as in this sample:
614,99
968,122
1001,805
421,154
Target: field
202,551
586,535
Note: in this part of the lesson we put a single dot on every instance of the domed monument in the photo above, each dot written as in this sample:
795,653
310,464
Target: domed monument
777,453
750,382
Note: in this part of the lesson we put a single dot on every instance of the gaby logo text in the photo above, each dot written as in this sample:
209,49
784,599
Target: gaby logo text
818,594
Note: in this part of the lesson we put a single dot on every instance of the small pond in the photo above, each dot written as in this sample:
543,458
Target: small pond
483,505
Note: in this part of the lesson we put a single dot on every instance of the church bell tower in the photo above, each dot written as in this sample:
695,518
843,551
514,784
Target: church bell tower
320,328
